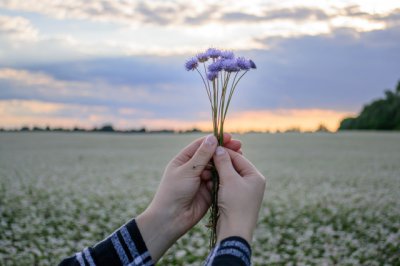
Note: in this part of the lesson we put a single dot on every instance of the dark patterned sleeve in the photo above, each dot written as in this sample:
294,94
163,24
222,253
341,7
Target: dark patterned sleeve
123,247
233,251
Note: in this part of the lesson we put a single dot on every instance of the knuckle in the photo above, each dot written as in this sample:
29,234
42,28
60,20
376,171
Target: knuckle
203,152
235,155
223,159
263,180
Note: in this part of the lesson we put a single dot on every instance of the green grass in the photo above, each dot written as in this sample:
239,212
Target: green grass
330,199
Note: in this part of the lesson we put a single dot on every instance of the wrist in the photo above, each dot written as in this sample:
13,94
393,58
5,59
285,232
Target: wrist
231,227
158,232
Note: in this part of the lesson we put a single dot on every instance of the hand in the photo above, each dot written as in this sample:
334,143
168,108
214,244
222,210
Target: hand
240,194
182,197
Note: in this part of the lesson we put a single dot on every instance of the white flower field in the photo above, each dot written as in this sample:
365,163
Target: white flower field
331,199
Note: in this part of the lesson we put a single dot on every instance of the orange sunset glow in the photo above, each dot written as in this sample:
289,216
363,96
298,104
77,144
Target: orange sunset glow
264,120
34,113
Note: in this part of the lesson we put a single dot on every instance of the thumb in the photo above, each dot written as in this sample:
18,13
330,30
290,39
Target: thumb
223,163
203,154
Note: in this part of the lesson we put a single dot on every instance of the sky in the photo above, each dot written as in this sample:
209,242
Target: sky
87,63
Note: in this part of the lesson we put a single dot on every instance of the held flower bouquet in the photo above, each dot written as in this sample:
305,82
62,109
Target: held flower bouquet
220,73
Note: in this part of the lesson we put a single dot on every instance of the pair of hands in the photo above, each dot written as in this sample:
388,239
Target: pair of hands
184,195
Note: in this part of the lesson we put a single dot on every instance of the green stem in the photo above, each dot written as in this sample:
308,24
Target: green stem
233,87
205,85
215,110
214,208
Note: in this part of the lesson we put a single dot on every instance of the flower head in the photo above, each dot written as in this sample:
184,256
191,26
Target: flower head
212,75
213,53
227,55
191,64
252,65
215,66
243,63
230,65
202,57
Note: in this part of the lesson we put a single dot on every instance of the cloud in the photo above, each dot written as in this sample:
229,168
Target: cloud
36,98
181,12
17,28
124,11
26,84
147,95
293,14
161,13
16,113
146,27
22,42
356,11
392,19
340,71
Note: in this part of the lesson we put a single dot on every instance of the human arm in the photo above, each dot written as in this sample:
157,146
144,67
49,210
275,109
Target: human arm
180,202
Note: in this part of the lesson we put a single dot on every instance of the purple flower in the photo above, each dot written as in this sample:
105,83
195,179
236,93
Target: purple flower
212,75
215,66
243,63
252,65
230,65
227,54
213,53
202,57
191,64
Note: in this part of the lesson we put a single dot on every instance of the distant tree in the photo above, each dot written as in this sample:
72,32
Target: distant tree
37,129
292,130
193,130
398,87
348,123
77,129
322,128
381,114
107,128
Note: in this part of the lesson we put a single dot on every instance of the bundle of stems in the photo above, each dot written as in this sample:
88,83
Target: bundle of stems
220,78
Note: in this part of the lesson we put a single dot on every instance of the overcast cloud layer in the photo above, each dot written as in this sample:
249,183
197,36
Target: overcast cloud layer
122,61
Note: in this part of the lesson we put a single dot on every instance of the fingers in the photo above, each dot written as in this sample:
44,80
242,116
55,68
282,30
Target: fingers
223,163
187,152
227,138
205,193
206,175
234,145
243,166
190,150
209,185
202,155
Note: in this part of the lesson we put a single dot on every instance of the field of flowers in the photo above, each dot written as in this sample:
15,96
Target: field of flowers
332,199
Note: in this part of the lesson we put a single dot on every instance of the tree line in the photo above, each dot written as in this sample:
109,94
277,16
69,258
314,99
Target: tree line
107,128
381,114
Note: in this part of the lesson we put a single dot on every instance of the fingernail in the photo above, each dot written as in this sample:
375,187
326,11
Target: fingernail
210,140
220,151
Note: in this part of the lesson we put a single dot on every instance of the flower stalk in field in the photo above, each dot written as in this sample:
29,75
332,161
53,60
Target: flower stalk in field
220,72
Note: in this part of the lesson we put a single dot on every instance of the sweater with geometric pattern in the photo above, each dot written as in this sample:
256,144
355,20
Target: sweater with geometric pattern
126,247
